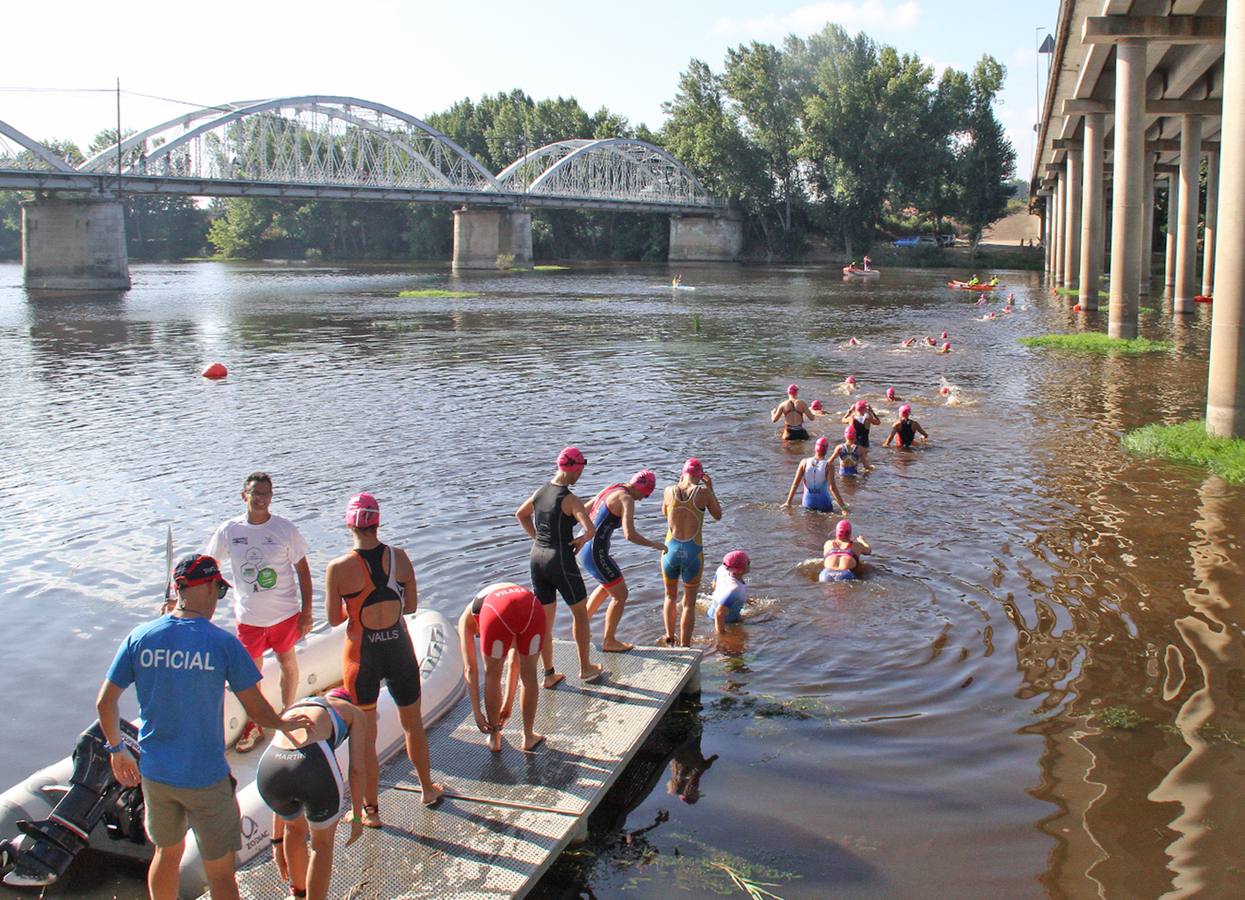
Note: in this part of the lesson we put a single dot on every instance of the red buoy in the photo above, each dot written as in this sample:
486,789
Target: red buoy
215,370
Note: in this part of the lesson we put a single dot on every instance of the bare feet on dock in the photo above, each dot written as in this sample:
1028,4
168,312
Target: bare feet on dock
553,679
592,673
622,647
494,740
666,641
371,813
433,792
533,742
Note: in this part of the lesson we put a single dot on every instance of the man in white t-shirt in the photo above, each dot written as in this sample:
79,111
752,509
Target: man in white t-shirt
272,603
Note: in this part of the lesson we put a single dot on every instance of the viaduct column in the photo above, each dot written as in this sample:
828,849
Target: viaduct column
1147,224
1061,234
1225,395
1072,258
1128,153
1212,215
717,238
74,245
1173,216
492,238
1186,228
1092,234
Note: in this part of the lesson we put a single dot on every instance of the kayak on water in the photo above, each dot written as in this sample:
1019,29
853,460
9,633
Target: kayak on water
861,273
965,286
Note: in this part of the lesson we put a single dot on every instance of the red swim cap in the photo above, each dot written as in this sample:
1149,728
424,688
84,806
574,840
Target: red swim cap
905,411
736,560
890,393
850,379
644,481
693,467
362,511
571,458
849,434
861,405
822,445
340,693
815,405
843,531
792,390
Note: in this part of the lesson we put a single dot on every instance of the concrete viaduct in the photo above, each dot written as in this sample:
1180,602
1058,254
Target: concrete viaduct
340,148
1157,86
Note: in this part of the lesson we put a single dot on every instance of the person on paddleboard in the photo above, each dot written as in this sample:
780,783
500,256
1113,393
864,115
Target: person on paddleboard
180,665
272,605
549,517
372,588
300,781
507,620
613,507
792,412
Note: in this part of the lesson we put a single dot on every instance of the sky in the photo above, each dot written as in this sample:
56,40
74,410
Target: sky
421,57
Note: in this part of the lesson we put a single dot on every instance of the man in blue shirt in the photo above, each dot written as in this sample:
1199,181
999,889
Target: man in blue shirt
179,665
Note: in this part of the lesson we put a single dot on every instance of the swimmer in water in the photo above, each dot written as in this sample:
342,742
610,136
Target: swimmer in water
684,505
907,342
904,431
676,280
861,417
612,507
891,395
817,476
944,334
841,555
730,593
945,348
792,413
849,385
847,454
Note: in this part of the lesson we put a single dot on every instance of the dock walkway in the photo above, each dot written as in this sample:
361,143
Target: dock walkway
506,816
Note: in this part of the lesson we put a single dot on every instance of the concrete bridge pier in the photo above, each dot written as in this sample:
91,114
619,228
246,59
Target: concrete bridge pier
492,238
1061,231
1186,227
1225,395
715,238
1173,215
1072,256
1092,214
1147,225
74,244
1212,220
1126,199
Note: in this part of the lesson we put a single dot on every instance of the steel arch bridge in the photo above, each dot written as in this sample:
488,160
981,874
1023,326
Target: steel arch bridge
331,147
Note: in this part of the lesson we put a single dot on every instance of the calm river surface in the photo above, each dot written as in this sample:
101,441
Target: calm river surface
933,731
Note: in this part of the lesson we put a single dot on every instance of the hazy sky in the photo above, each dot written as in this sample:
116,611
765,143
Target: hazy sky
420,57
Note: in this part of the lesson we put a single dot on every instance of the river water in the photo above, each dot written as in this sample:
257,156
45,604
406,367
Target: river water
935,730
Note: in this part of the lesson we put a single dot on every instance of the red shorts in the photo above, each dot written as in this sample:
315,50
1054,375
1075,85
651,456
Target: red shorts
281,637
511,617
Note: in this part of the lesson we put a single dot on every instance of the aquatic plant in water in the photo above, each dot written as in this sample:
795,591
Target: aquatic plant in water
1189,443
1123,718
437,293
718,872
1096,342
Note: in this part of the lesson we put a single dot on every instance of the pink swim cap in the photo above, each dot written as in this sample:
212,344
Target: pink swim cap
890,393
822,445
815,405
946,348
571,458
736,560
792,390
843,531
849,434
944,334
362,511
944,390
905,411
693,467
644,481
861,405
340,693
850,379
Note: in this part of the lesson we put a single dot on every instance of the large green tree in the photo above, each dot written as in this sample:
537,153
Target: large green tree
986,160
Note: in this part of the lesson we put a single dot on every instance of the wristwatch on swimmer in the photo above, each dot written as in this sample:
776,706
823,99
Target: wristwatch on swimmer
115,748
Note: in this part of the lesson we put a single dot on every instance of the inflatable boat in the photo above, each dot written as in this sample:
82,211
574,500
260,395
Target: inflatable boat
965,286
59,810
853,272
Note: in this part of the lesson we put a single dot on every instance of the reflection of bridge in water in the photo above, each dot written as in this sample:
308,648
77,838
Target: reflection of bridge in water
341,148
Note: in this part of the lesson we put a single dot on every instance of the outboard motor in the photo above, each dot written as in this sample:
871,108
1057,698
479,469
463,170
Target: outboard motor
51,844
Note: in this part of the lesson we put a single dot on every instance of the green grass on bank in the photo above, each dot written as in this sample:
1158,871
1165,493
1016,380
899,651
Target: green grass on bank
435,292
1076,292
1189,443
1096,342
565,268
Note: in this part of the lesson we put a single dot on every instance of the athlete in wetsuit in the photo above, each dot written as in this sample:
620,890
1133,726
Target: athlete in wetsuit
905,430
508,620
372,587
862,417
612,507
300,781
792,412
842,555
549,517
817,475
684,505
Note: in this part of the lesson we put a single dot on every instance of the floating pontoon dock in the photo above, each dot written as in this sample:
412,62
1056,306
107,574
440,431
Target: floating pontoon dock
506,817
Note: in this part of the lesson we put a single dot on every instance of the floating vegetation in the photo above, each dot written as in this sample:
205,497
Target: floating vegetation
761,706
718,872
438,293
1189,443
550,268
1123,718
1076,292
1096,342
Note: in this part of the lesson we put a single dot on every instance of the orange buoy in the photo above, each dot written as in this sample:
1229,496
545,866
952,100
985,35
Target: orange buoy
1201,298
214,371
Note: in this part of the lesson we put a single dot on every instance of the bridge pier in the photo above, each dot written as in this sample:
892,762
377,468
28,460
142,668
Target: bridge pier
74,244
483,237
714,238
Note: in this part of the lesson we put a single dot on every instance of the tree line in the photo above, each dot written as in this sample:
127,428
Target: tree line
831,137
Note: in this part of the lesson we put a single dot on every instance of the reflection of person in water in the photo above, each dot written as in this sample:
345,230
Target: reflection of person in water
686,766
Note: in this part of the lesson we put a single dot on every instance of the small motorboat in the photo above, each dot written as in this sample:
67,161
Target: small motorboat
853,272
